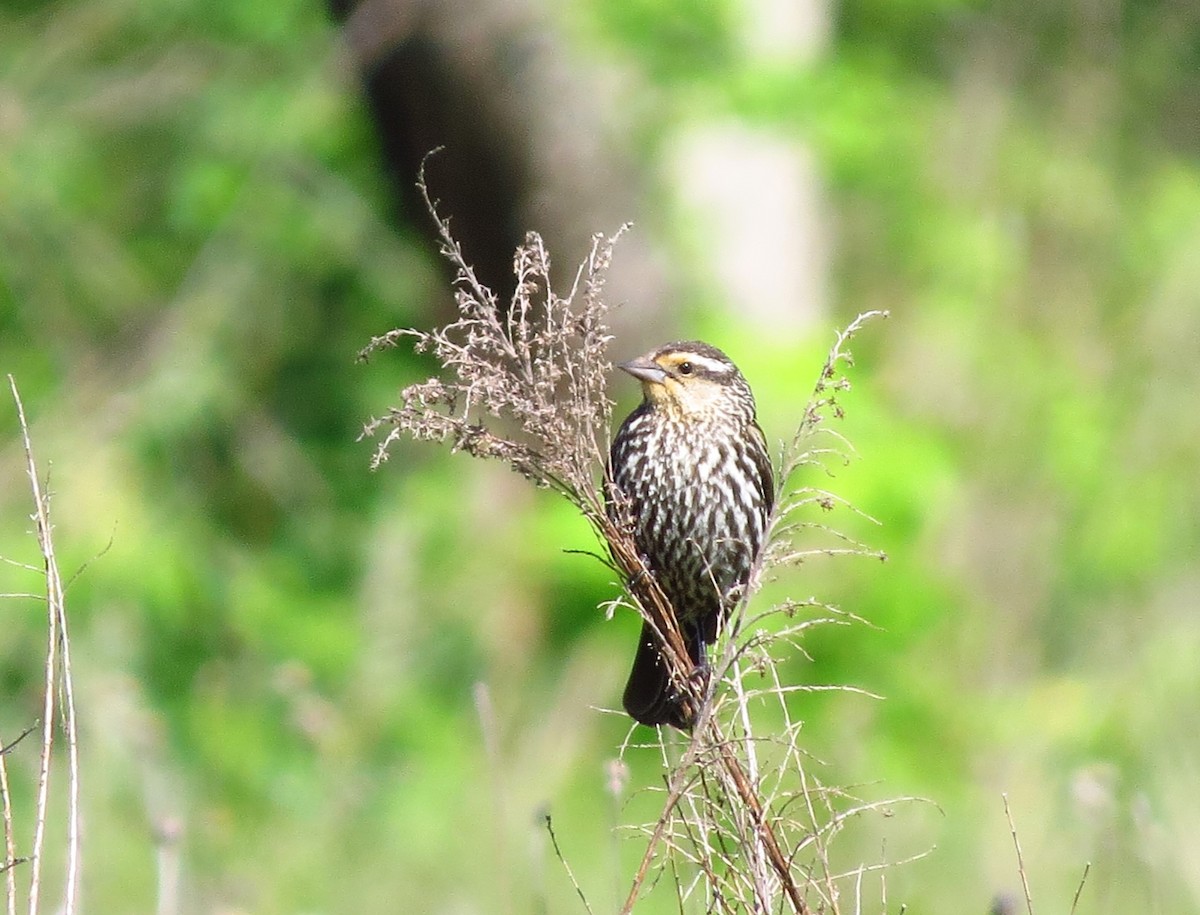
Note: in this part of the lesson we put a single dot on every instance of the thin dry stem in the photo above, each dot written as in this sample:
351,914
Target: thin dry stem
7,867
566,866
10,849
1012,827
1079,890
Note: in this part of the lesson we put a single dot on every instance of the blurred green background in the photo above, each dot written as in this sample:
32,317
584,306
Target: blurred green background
304,687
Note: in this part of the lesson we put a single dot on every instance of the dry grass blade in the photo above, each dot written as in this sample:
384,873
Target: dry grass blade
57,677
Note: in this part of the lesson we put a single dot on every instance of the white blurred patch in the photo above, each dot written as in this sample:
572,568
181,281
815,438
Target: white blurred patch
786,30
757,205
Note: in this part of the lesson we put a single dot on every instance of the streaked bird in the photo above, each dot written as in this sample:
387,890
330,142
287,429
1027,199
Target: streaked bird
691,468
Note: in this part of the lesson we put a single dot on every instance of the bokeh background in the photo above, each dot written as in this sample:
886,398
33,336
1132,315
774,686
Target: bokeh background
306,687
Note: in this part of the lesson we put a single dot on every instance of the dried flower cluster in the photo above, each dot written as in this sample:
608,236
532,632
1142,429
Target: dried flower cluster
538,366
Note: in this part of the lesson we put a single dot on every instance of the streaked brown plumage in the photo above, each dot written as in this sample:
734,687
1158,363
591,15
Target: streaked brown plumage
691,465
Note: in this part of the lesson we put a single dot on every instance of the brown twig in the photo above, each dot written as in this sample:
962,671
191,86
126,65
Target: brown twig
653,604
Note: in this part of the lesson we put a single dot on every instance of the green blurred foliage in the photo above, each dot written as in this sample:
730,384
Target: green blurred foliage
277,652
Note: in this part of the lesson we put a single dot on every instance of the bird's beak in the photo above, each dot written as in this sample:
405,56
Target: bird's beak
644,370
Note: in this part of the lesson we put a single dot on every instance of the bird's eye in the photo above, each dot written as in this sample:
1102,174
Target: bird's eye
685,368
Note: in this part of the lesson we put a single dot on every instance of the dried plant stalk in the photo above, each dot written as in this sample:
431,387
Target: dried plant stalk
526,384
58,679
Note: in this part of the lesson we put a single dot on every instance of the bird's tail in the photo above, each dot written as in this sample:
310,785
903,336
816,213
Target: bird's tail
650,697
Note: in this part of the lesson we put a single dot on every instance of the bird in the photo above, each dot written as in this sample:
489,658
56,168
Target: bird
689,472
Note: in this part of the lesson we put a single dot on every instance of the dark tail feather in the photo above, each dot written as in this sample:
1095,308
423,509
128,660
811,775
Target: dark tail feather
649,696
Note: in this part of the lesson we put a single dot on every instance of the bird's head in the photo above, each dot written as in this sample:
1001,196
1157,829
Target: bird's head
691,379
